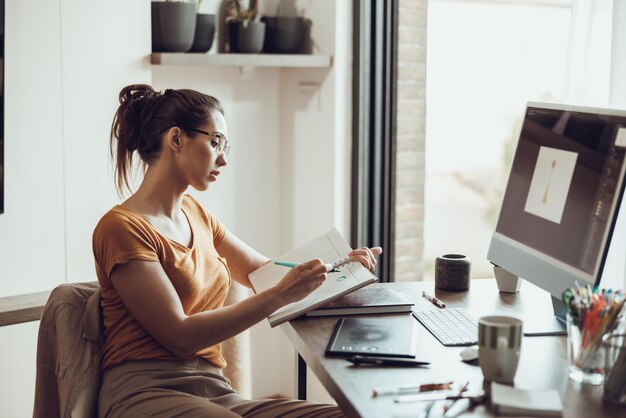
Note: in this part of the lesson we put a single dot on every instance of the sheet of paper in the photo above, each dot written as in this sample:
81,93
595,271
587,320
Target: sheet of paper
330,248
532,402
550,183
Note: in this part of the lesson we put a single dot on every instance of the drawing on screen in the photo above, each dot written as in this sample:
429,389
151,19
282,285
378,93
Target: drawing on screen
550,183
545,194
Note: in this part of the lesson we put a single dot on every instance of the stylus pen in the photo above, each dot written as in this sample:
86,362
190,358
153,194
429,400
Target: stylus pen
292,265
433,300
386,361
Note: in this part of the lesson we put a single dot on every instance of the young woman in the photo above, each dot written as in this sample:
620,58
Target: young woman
165,266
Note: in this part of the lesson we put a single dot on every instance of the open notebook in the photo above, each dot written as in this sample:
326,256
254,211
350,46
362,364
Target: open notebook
330,248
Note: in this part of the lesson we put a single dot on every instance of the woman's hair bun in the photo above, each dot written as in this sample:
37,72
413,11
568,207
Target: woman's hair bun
137,91
136,102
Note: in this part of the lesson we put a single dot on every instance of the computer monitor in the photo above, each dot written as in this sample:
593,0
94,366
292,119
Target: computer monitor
561,201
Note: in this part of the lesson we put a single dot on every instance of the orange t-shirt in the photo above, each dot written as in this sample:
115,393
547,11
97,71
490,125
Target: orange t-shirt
199,275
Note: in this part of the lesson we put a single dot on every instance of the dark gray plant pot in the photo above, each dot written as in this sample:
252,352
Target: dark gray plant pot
205,32
173,26
286,35
248,39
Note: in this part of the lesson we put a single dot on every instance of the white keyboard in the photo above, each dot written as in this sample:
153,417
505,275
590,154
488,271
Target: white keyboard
451,326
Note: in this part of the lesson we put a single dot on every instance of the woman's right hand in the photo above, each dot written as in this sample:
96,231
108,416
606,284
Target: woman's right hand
302,280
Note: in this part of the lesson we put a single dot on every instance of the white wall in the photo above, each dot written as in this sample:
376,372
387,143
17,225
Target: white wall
103,50
66,62
34,190
17,369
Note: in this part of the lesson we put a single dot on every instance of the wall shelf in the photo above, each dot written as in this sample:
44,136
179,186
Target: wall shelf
242,60
24,308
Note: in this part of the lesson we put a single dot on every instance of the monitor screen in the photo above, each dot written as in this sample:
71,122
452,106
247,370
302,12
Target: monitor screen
562,196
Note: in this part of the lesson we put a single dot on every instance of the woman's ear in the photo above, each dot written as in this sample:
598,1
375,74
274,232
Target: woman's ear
173,139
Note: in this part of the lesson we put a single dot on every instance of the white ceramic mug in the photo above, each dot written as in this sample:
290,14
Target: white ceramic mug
499,345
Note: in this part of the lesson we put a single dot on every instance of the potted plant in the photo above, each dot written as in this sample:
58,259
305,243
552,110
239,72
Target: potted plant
288,32
173,26
245,32
205,30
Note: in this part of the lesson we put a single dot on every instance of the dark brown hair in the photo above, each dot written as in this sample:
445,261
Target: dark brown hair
144,115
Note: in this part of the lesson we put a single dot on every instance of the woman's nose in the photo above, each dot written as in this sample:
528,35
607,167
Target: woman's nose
221,160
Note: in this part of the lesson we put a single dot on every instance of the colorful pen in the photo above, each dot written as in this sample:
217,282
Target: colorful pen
289,264
433,300
424,387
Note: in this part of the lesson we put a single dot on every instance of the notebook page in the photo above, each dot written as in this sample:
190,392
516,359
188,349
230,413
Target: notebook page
330,248
507,399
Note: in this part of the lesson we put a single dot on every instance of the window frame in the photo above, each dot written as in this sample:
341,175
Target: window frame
374,108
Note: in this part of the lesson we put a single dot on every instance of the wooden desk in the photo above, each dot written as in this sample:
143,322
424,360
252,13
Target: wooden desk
542,363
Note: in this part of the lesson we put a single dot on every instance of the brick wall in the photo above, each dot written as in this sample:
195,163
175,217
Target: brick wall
411,129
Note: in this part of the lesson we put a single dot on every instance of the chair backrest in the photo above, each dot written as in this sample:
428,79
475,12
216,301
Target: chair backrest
69,350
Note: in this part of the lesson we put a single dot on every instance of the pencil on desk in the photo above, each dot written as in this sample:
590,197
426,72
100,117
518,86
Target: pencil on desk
425,387
438,303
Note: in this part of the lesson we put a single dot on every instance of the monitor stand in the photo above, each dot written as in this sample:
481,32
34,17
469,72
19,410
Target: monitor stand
539,324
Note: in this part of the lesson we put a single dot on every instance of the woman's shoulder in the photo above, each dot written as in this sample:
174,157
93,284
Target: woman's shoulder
118,218
192,204
195,208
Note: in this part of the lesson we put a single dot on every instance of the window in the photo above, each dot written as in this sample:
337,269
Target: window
434,134
486,59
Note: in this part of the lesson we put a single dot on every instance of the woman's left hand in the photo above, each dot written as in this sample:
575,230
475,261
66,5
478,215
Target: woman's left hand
366,256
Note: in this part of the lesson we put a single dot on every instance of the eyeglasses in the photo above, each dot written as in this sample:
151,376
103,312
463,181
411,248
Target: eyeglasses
218,141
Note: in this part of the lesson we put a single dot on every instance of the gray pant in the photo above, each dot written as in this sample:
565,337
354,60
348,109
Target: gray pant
189,388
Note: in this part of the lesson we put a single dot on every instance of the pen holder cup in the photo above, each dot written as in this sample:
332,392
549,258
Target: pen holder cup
614,345
452,272
585,357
